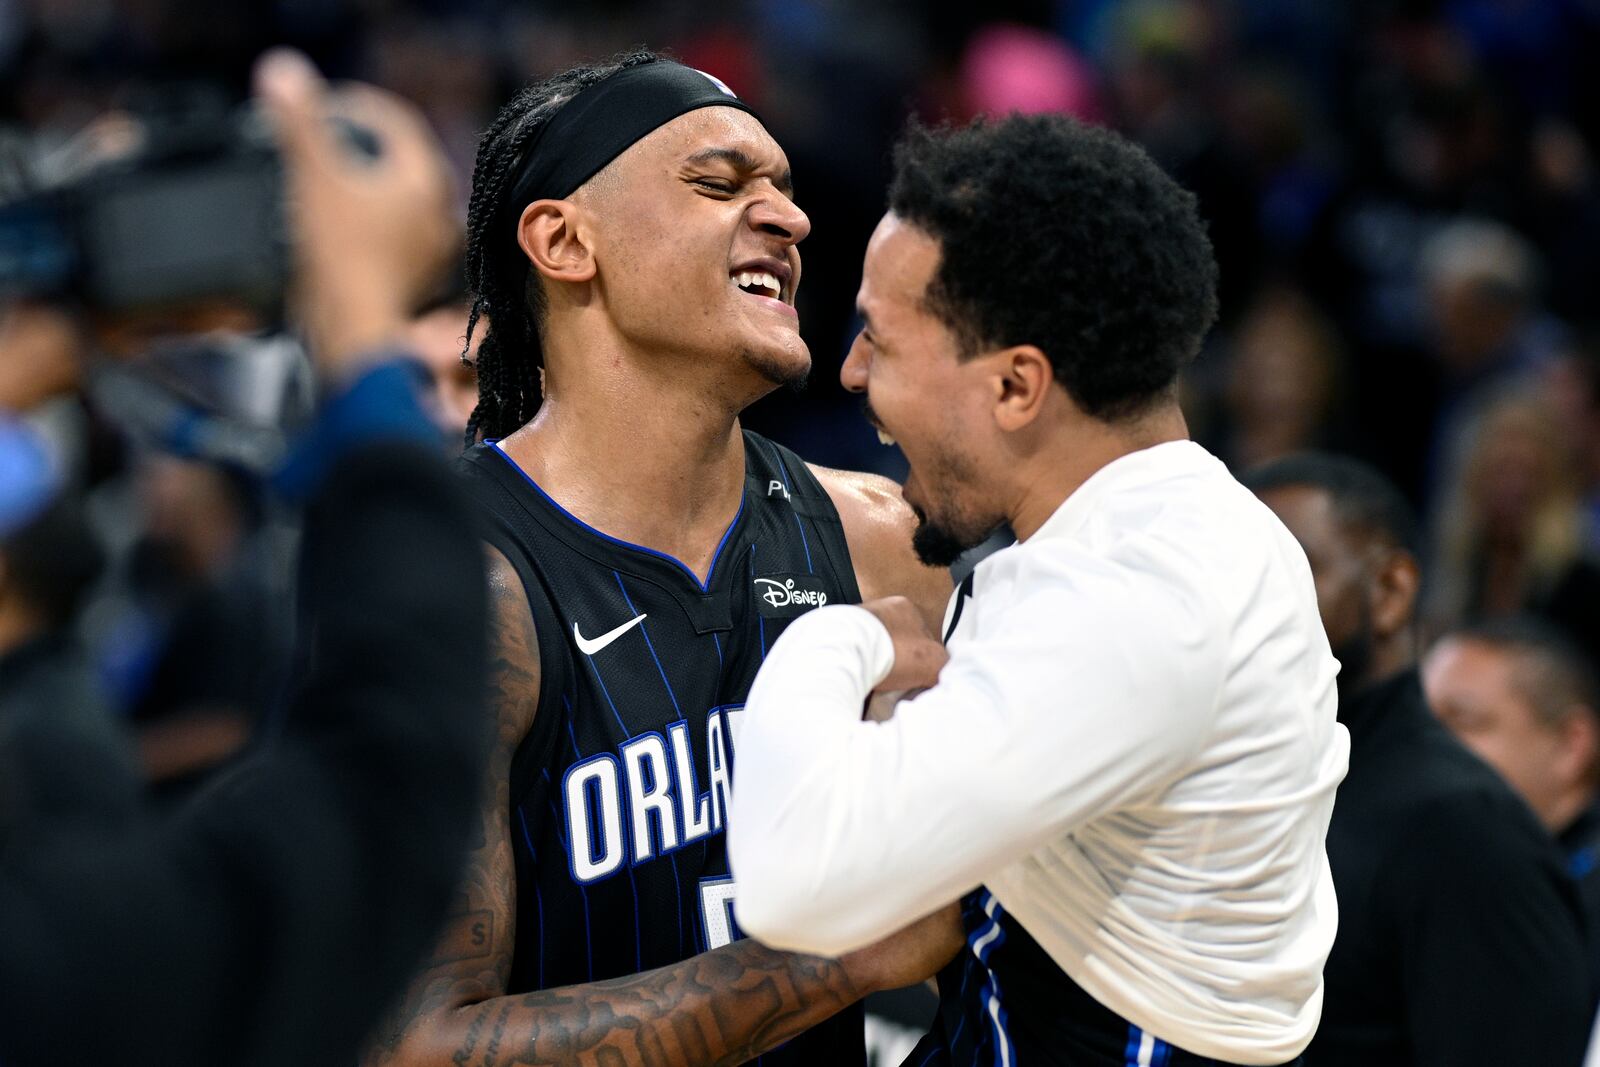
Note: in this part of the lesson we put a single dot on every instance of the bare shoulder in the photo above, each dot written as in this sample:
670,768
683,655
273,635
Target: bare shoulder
877,527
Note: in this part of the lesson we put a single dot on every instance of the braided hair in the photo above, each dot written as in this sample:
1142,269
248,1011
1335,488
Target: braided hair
505,290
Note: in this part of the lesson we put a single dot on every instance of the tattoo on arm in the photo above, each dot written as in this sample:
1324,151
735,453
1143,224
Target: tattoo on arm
472,958
717,1009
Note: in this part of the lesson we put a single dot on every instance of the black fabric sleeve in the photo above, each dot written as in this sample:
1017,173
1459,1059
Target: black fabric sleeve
273,922
1493,958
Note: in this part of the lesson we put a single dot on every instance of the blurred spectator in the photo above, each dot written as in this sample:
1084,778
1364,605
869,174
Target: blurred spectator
1510,535
1460,939
1522,697
1010,68
50,707
1573,387
327,861
1486,334
1163,92
214,644
1480,279
1283,382
436,335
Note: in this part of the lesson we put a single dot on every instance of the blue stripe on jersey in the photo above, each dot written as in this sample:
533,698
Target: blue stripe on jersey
607,693
704,587
638,931
983,942
677,883
638,941
783,469
538,897
719,647
961,997
647,644
583,891
1145,1049
761,620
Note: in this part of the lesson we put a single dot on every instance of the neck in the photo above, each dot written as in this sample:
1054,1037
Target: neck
646,453
1390,656
1068,459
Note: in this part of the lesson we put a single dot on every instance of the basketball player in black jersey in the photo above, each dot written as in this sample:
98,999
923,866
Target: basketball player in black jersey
632,247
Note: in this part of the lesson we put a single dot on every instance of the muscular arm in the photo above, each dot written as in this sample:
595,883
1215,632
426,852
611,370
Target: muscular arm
877,527
721,1007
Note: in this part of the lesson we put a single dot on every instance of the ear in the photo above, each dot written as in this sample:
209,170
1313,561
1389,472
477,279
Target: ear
1394,593
1580,745
1022,380
551,237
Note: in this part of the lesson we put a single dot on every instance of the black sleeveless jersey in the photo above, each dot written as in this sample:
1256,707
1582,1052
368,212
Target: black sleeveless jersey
619,793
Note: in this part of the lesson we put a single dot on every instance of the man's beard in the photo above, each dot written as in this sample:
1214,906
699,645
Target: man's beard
1354,654
940,545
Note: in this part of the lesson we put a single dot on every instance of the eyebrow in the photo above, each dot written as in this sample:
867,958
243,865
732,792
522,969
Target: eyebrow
745,163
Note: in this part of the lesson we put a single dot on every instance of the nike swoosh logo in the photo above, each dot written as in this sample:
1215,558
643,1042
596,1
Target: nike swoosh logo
589,648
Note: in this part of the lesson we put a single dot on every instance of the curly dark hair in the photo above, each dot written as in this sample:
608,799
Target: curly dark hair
1067,237
504,289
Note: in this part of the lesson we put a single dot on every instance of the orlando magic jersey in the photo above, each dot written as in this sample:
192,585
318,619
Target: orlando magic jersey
619,793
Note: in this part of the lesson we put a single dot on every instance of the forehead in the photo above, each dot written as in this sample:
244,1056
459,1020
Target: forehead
1474,666
703,128
901,260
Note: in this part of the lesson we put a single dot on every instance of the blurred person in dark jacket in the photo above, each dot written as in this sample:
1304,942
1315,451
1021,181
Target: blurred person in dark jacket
1460,938
50,705
1522,697
272,920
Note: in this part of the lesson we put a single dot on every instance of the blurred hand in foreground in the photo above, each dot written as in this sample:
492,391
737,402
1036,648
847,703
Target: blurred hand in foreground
372,229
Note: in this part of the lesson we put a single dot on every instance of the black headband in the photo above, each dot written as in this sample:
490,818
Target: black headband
603,120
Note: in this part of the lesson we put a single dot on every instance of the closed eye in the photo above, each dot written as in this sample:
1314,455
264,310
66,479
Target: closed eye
717,185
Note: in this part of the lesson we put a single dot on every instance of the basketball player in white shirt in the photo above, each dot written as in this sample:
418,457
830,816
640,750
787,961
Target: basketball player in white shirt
1126,768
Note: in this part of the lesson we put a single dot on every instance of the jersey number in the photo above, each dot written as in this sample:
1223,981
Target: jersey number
716,912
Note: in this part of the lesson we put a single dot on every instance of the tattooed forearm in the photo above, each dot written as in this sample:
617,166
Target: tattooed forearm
464,1053
715,1010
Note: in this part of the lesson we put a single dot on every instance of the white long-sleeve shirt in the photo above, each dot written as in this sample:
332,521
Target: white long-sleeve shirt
1133,747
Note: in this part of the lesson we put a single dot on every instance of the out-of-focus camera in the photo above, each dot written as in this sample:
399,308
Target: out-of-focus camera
193,211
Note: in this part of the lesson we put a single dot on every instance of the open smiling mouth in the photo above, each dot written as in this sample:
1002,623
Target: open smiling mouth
759,283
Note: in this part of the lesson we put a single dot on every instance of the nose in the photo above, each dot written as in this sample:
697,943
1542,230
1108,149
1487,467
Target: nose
853,374
778,215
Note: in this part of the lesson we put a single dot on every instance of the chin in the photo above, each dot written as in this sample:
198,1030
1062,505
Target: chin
788,367
940,539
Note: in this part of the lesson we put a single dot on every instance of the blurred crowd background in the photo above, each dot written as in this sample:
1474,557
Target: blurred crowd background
1404,197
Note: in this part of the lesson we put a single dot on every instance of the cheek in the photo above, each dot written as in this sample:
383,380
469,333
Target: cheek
1337,604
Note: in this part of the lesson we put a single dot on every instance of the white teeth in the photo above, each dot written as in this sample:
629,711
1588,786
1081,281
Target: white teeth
885,439
760,279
